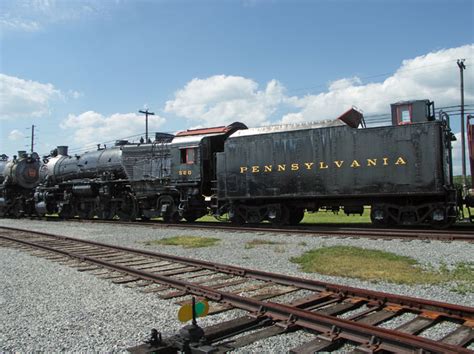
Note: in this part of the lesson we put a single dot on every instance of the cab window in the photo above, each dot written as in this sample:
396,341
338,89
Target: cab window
188,156
404,114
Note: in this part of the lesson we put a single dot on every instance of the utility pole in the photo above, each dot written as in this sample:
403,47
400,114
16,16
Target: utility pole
32,138
146,113
461,66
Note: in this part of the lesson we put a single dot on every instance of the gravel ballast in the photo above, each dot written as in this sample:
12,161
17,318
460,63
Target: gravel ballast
45,306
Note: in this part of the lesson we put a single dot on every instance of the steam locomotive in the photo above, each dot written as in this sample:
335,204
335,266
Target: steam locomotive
275,173
18,179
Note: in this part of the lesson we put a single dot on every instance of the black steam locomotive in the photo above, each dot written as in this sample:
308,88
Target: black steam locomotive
18,179
274,173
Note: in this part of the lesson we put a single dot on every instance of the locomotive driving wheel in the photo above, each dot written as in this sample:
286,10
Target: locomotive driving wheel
169,211
65,211
190,216
103,209
128,209
17,210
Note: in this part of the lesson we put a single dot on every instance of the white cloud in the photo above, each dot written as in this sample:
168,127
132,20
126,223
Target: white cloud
25,98
34,15
74,94
224,99
92,127
17,24
16,135
221,99
434,76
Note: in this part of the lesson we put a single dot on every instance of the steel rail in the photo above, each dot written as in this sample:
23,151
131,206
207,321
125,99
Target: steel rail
454,310
373,338
314,230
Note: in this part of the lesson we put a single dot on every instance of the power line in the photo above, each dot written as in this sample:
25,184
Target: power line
379,75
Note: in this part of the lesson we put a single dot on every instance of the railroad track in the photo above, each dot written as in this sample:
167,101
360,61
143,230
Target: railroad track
466,235
334,314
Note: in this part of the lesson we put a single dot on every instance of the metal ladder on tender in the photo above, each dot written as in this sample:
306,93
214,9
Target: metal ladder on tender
214,203
470,143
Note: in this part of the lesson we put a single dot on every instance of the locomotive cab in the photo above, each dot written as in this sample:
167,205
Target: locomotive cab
194,165
408,112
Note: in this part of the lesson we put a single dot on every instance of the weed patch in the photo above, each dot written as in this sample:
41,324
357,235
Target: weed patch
374,265
185,241
258,242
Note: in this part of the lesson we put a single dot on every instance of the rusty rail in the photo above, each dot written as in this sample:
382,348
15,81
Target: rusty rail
293,316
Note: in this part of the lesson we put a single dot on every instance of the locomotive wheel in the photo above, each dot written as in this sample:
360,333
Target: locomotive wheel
17,210
66,212
237,220
235,217
105,214
379,217
128,208
282,217
296,215
448,221
172,217
190,217
86,214
103,209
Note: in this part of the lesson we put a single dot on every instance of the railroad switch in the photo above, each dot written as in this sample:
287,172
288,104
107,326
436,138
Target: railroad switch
155,338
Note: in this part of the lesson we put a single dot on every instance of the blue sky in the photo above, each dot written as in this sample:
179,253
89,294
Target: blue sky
80,70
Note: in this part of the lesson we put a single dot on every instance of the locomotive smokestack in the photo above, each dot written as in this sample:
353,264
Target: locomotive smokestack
62,150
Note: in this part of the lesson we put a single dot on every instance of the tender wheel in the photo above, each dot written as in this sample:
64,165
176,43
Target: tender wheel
296,215
282,217
443,219
379,216
235,217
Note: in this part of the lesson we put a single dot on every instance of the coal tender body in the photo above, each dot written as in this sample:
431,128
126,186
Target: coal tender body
18,178
402,171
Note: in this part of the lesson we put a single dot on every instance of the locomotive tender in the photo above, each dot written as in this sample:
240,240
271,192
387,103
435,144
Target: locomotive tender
274,173
402,171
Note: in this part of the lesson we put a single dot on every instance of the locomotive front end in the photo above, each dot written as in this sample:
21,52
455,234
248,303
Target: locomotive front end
23,171
19,177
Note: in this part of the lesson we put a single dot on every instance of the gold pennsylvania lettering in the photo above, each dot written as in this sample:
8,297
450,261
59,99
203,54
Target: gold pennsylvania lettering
324,165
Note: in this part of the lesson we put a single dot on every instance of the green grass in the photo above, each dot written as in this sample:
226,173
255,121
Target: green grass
374,265
328,217
185,241
320,217
257,242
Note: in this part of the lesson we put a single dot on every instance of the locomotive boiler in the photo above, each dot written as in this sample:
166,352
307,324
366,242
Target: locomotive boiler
82,185
18,178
